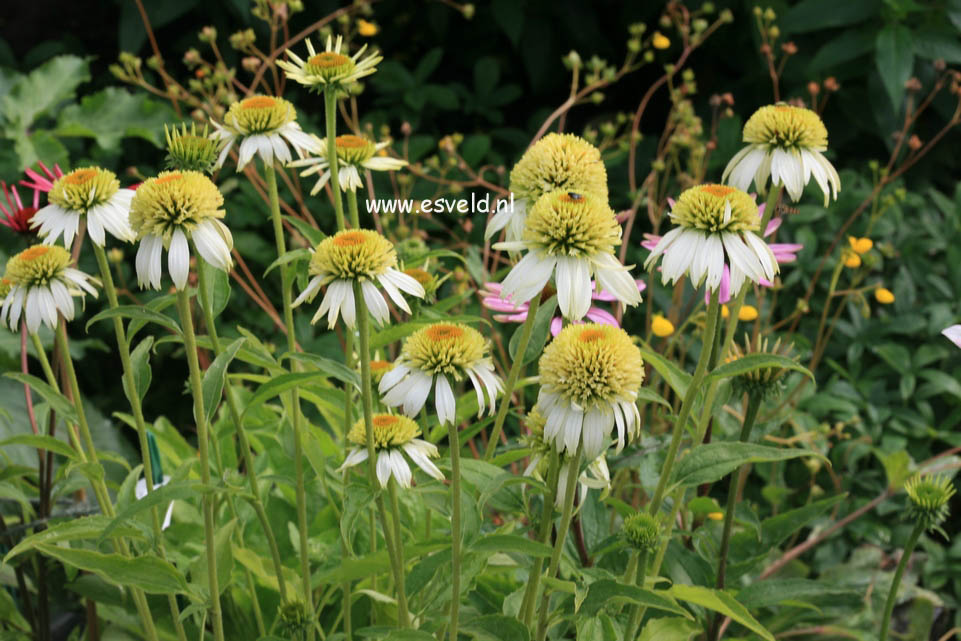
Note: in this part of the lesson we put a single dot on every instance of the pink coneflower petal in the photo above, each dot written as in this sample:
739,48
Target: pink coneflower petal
42,183
650,241
724,290
598,315
557,324
500,305
512,318
773,225
606,297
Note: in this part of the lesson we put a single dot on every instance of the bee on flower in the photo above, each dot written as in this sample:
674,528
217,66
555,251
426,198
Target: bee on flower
394,436
40,286
171,211
570,236
331,67
263,125
561,162
431,358
354,154
784,145
356,255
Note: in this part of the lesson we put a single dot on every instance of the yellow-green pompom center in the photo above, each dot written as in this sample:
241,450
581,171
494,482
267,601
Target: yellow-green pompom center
786,126
716,208
188,151
5,285
389,430
559,161
354,150
445,348
174,200
353,254
592,364
260,114
37,266
84,188
329,65
569,223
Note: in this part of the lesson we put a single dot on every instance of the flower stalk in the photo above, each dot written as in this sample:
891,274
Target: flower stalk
898,575
543,535
330,112
455,525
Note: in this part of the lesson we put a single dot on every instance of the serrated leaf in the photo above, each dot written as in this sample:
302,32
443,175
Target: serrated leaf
137,312
217,284
755,362
607,591
147,572
57,401
894,54
313,236
40,91
292,256
79,529
42,442
216,376
677,378
713,461
112,114
511,543
770,592
140,364
721,602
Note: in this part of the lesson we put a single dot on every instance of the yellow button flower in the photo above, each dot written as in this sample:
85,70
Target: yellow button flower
660,41
860,245
725,312
884,296
747,313
852,260
716,516
661,327
367,29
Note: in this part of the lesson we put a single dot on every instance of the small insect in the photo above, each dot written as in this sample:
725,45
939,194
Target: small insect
573,195
784,209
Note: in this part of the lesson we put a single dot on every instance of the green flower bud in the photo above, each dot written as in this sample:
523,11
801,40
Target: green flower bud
642,532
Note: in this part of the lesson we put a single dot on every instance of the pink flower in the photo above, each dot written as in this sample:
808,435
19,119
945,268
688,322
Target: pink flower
15,215
42,183
511,313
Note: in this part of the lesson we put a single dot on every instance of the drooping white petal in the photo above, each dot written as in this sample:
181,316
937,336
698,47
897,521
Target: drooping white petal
444,400
178,259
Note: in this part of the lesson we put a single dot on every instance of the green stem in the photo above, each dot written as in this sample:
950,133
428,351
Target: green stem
543,536
636,610
197,389
399,550
692,389
294,397
572,475
245,451
330,111
394,542
896,581
512,377
137,410
352,209
456,534
348,423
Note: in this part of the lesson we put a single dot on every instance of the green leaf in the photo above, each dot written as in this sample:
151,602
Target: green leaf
776,529
159,496
147,572
669,629
844,48
218,286
539,333
313,236
935,46
137,312
78,529
332,368
607,591
292,256
40,91
755,362
112,114
496,627
721,602
511,543
677,378
216,375
815,15
42,442
56,400
771,592
894,55
647,395
140,364
396,332
713,461
280,384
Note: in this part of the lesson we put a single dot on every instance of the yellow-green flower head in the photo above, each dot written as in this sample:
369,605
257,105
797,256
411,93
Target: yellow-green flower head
378,368
362,256
642,532
765,382
266,125
428,281
5,285
168,211
570,223
431,357
929,498
393,436
570,235
354,154
90,193
331,67
40,285
716,227
189,151
555,162
784,144
716,208
445,348
354,150
590,375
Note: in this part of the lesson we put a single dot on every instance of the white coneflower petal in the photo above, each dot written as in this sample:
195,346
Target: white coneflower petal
178,259
90,193
354,154
444,400
393,436
39,287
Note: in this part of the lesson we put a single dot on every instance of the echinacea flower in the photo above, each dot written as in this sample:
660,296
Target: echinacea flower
590,376
354,154
555,162
329,67
356,255
170,211
571,236
42,286
394,436
716,227
785,145
42,182
596,476
508,312
434,356
264,125
16,216
189,151
92,194
953,334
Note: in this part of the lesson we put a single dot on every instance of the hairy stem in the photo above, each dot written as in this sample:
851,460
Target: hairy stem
896,581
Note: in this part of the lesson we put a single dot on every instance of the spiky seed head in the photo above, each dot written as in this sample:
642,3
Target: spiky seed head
559,161
390,430
84,188
353,254
445,348
570,223
786,127
716,208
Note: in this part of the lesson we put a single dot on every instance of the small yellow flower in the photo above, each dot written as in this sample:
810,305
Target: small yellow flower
661,327
725,312
852,260
860,245
660,41
747,313
367,29
884,295
716,516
